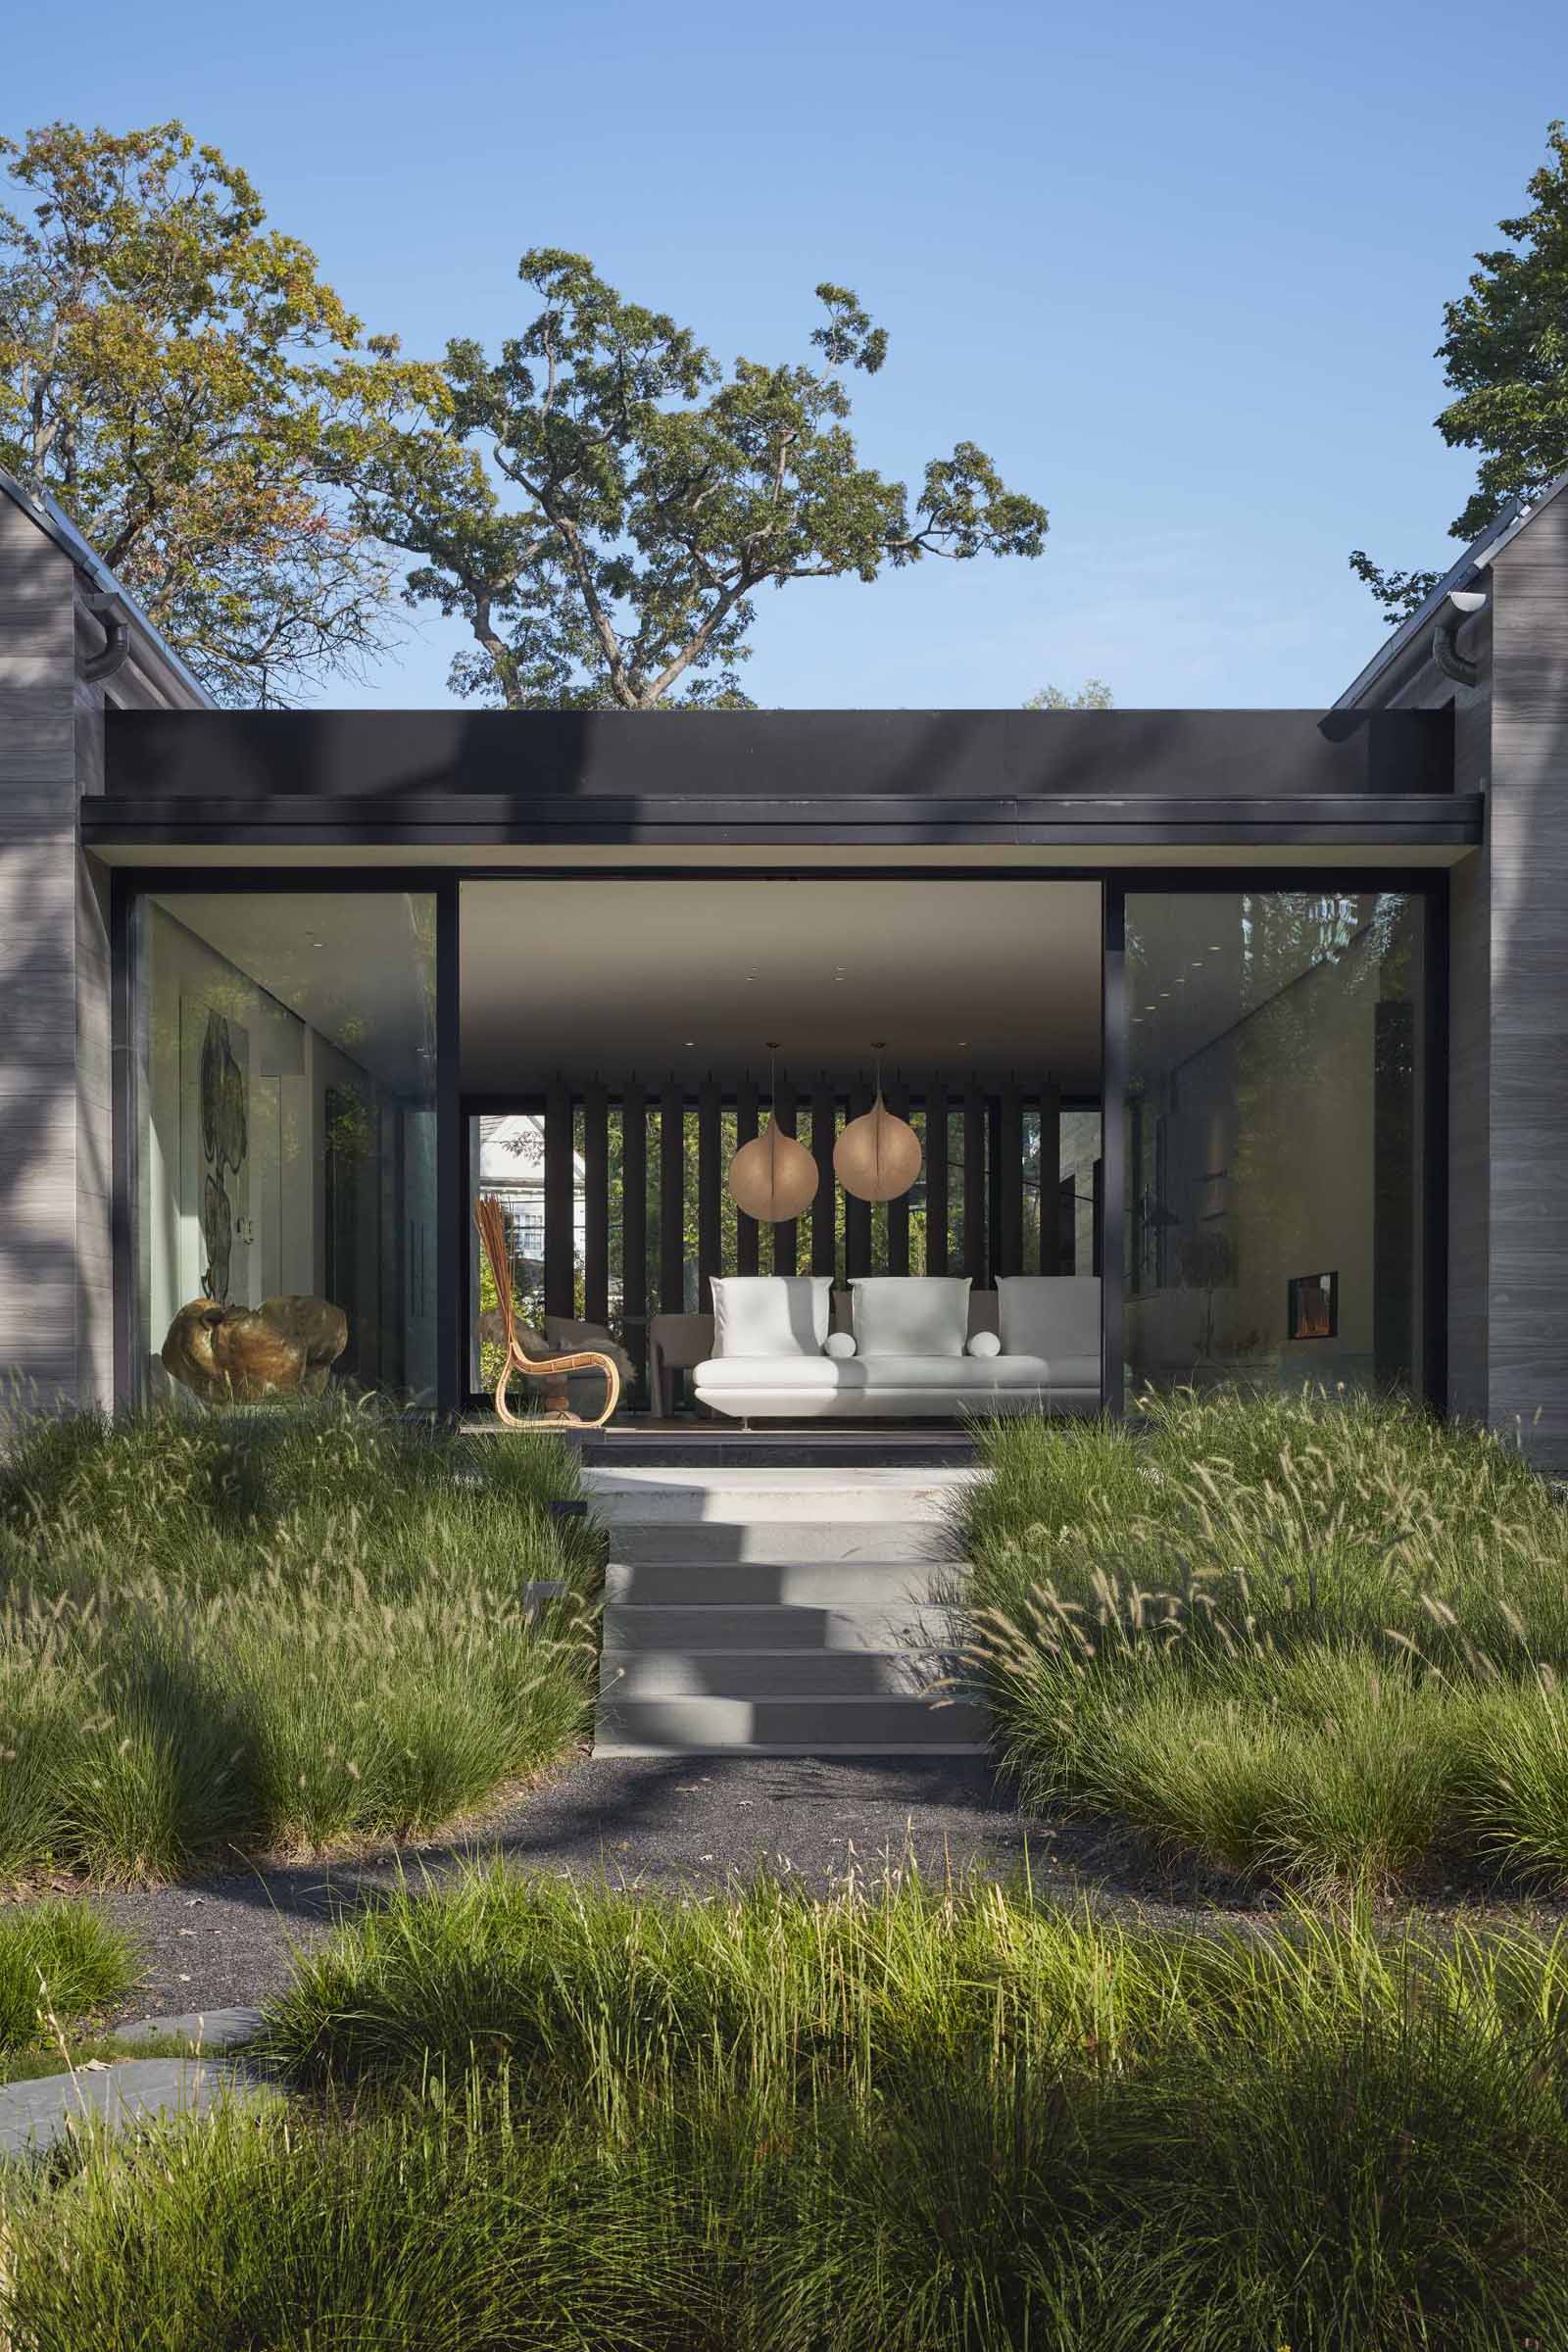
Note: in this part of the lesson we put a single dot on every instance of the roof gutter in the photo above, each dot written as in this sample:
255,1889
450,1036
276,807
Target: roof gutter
111,617
1457,608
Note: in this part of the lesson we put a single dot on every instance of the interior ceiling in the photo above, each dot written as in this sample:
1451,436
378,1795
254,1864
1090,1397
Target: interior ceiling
357,967
688,978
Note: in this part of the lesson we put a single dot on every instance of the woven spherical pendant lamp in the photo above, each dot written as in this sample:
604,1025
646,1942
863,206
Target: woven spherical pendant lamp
773,1178
877,1157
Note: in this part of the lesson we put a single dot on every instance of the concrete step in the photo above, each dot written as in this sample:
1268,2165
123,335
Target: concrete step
798,1584
787,1727
777,1540
677,1497
772,1626
770,1673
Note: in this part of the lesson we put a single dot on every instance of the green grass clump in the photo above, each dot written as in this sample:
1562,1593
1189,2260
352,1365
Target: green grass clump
941,2121
1318,1639
58,1961
275,1629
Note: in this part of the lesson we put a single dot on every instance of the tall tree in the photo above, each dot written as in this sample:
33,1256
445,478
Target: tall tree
199,402
1504,356
606,502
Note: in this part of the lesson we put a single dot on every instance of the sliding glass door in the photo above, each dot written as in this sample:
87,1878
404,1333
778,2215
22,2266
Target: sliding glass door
284,1115
1274,1181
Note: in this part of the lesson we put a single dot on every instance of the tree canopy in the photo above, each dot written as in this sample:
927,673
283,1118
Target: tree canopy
201,404
1504,356
1093,695
604,502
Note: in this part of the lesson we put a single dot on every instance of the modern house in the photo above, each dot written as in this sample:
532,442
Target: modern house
1253,1020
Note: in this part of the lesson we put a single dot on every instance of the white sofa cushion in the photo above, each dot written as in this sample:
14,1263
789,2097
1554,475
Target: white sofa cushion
961,1376
910,1315
1053,1315
770,1314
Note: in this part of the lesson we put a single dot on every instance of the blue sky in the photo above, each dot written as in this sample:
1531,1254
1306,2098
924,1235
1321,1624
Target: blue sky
1180,271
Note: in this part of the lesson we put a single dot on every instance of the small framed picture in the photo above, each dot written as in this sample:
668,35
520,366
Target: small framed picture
1312,1306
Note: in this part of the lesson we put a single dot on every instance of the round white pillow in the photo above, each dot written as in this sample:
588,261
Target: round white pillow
983,1343
839,1343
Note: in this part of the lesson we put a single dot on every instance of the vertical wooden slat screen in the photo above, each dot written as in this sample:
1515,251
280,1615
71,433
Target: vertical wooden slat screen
560,1223
710,1177
858,1214
1055,1245
936,1175
1008,1116
634,1222
784,1236
746,1230
993,1188
898,1101
671,1199
824,1243
596,1203
974,1185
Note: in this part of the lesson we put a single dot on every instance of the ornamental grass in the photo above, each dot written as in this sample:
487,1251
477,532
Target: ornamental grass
931,2121
1319,1639
275,1629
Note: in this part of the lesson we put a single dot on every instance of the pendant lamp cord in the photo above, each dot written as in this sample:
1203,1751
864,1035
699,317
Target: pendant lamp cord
876,1123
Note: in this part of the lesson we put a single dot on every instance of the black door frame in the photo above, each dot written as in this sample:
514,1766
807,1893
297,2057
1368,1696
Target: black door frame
1431,884
129,883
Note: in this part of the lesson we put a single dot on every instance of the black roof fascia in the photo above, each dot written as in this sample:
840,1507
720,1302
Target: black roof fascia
501,768
432,821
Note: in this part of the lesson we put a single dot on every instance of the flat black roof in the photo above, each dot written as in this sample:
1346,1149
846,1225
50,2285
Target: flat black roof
787,775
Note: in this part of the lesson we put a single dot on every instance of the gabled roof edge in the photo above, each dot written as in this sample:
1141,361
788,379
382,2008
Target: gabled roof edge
53,520
1481,553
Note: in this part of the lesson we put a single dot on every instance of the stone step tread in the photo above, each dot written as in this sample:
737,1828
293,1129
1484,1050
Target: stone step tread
775,1546
781,1583
695,1629
771,1673
793,1747
884,1720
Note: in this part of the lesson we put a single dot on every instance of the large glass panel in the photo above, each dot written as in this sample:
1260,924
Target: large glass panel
1274,1125
287,1122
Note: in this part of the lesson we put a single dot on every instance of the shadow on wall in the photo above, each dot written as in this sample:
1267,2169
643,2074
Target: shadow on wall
46,1294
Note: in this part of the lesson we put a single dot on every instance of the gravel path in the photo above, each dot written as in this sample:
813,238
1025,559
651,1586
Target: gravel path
678,1822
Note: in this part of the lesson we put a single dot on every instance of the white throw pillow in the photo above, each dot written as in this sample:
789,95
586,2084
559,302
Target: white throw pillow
839,1343
1050,1314
771,1314
983,1343
910,1314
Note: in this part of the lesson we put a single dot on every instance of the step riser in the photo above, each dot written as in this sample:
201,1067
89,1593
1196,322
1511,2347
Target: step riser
779,1540
803,1726
716,1629
808,1584
770,1673
649,1505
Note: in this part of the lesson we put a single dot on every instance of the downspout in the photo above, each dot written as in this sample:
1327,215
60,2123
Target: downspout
114,621
1457,608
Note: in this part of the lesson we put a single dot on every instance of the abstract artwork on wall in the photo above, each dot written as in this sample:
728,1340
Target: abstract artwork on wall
217,1146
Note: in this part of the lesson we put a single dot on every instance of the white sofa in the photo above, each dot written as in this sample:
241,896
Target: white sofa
773,1357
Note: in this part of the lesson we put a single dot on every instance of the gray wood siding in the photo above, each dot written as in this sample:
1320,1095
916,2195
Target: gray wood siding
40,1275
1469,1036
1528,837
56,1125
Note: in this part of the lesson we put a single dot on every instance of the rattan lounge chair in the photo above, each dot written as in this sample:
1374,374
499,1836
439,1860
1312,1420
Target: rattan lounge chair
491,1220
